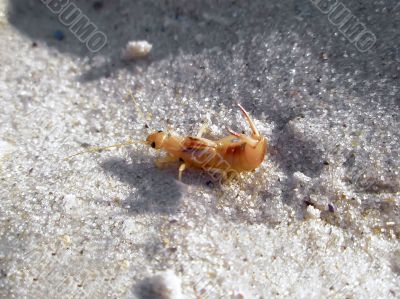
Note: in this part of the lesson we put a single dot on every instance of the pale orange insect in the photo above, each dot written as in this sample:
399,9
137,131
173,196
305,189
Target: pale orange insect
233,154
230,155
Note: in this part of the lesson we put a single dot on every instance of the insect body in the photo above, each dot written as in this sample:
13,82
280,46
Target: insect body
232,154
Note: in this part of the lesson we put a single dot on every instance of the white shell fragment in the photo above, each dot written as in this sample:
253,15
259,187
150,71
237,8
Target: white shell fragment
136,49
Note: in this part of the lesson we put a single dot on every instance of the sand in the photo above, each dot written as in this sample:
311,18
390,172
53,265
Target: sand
318,219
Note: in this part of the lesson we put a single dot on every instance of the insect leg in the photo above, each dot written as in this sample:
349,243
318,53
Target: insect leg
250,122
202,130
160,162
181,169
233,132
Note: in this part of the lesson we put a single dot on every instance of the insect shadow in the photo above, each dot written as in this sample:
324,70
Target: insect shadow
296,153
156,191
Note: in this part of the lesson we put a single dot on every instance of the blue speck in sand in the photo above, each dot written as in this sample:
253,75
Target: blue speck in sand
58,35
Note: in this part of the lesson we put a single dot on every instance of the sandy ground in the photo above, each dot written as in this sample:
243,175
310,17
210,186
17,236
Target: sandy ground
318,219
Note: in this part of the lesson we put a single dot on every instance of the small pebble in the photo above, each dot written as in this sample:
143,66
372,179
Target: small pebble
299,177
313,213
323,56
165,285
66,239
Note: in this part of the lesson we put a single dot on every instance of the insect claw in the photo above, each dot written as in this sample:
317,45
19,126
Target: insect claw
250,122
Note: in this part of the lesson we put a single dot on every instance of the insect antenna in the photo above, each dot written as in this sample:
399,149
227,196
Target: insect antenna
102,148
